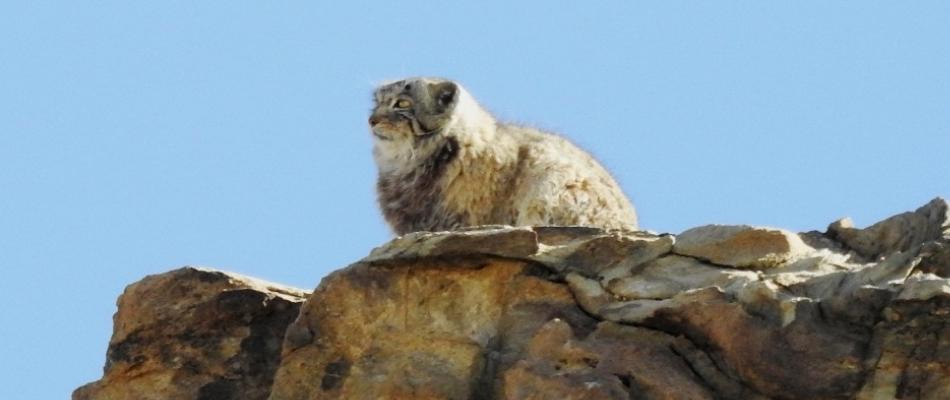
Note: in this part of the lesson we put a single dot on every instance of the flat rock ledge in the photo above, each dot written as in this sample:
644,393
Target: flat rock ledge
717,312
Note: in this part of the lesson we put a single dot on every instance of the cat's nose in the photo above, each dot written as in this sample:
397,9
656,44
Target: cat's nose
374,119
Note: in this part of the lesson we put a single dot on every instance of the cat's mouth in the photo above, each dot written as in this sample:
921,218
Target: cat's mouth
379,136
383,131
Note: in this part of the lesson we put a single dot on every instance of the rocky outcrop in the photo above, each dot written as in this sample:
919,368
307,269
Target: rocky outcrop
717,312
196,334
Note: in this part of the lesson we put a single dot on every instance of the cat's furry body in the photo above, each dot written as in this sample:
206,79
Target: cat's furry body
445,163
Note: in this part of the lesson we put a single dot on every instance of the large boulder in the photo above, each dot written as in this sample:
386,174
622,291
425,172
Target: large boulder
195,333
718,312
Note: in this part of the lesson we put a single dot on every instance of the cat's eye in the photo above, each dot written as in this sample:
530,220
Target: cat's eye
403,103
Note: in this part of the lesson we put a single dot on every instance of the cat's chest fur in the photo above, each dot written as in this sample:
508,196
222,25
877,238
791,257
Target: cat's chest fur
412,199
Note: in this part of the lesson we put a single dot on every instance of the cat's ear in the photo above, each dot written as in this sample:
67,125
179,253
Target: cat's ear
444,94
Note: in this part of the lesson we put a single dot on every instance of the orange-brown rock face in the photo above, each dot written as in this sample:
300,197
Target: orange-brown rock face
195,334
422,329
729,312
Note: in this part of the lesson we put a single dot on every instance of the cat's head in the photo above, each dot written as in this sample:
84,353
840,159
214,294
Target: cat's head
413,108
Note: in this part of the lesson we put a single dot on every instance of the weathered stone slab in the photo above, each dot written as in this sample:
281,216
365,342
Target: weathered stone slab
898,233
741,246
501,241
604,254
668,276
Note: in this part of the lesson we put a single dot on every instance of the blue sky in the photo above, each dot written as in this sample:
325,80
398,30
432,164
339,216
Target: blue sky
136,137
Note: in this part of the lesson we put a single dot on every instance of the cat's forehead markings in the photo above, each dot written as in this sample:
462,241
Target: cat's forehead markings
382,93
392,88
